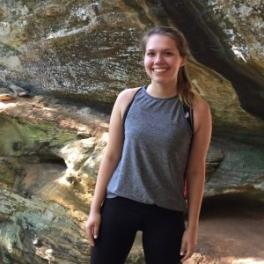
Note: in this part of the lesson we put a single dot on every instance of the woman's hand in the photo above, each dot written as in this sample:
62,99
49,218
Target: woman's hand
189,241
92,227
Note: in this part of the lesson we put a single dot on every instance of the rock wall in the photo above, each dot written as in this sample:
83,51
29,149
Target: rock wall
227,37
79,55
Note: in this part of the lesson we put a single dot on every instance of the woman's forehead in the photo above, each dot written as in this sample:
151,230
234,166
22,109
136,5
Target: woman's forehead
160,41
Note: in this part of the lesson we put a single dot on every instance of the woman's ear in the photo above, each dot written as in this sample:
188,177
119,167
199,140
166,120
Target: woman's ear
184,60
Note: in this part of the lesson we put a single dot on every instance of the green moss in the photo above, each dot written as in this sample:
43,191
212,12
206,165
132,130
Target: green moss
9,169
18,138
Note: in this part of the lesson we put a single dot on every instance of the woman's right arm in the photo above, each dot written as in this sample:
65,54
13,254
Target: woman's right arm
109,162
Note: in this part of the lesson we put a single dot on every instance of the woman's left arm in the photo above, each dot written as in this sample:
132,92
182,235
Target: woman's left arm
195,173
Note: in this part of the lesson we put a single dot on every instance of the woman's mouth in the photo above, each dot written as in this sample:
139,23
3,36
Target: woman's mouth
159,70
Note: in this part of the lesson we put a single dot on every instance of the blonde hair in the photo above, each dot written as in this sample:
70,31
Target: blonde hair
184,86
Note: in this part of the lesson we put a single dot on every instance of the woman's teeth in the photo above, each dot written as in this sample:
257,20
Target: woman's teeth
159,70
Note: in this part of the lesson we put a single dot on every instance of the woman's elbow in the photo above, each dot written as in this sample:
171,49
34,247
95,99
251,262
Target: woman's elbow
112,156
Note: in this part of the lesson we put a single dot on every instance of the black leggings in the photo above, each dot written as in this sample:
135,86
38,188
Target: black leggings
122,218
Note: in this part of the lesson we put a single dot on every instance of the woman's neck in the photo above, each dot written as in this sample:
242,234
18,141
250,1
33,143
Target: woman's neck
162,91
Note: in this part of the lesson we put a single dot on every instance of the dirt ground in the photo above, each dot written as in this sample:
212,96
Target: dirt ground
231,231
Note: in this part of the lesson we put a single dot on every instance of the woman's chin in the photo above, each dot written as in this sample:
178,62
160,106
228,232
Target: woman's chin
161,81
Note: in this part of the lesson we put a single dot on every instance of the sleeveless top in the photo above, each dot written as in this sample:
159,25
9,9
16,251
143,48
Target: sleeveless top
157,139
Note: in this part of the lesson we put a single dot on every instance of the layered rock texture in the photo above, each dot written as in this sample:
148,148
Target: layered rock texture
69,60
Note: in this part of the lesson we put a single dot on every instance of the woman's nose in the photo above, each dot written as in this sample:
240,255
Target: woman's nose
158,58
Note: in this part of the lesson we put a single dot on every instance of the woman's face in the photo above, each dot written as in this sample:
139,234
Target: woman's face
162,59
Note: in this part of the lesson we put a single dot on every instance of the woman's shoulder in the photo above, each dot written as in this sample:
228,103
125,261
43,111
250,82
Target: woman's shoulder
199,104
128,93
125,97
201,112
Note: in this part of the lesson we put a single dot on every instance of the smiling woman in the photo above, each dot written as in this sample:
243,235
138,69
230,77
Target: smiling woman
150,156
174,51
162,63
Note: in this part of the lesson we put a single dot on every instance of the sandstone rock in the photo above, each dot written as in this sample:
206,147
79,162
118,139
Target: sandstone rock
88,51
77,152
25,221
10,170
5,94
52,10
240,169
18,91
2,13
217,36
6,97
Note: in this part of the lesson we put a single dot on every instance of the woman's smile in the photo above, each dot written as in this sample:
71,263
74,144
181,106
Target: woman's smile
158,69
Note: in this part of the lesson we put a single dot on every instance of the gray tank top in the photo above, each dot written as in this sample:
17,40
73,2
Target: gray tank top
155,152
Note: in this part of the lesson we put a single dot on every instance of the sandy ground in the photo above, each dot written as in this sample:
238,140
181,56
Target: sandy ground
232,230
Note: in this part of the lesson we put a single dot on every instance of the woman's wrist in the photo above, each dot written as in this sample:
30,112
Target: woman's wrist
95,207
94,210
192,226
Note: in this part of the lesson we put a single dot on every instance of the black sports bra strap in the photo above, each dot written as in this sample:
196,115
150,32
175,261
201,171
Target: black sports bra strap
128,107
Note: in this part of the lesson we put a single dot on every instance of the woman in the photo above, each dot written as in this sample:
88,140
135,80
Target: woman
152,152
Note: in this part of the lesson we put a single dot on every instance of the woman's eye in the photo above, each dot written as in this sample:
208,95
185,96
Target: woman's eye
168,53
151,54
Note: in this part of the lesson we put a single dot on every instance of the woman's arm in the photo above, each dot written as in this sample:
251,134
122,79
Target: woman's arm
195,173
109,162
111,155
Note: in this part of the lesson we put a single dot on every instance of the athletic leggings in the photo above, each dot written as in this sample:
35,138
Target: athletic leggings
121,218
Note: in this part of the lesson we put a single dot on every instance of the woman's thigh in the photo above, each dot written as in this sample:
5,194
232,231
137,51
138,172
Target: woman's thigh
117,233
162,235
